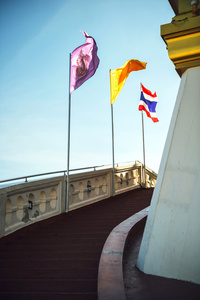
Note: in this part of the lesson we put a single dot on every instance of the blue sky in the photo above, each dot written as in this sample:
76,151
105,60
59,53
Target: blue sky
36,38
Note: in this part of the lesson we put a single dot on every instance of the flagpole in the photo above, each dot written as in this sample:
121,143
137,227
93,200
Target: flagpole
113,152
68,147
113,168
144,176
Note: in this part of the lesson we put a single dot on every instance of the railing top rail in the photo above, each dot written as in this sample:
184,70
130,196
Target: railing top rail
65,171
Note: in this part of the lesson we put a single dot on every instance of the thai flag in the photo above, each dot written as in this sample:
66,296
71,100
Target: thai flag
148,103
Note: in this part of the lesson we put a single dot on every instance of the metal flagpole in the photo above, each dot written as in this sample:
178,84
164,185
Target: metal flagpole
113,168
144,176
68,151
113,157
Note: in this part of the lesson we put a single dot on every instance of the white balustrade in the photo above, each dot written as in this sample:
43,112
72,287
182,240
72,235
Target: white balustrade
26,203
29,202
90,187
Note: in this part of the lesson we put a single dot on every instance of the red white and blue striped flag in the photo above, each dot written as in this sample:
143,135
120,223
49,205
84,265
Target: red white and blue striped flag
148,103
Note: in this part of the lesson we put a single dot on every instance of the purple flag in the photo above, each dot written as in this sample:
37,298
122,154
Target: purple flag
84,62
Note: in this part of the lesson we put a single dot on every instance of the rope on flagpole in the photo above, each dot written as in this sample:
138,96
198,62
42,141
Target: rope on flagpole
68,147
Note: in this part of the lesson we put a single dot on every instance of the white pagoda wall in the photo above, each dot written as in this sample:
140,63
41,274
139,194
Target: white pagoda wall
171,240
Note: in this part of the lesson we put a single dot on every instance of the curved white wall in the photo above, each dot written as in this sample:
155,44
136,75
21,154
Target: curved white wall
171,241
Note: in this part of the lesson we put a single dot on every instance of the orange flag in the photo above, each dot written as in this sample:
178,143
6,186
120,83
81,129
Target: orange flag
118,76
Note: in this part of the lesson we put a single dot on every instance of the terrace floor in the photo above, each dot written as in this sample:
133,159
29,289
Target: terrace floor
58,258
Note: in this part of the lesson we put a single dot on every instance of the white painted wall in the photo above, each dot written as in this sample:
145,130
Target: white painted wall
171,241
